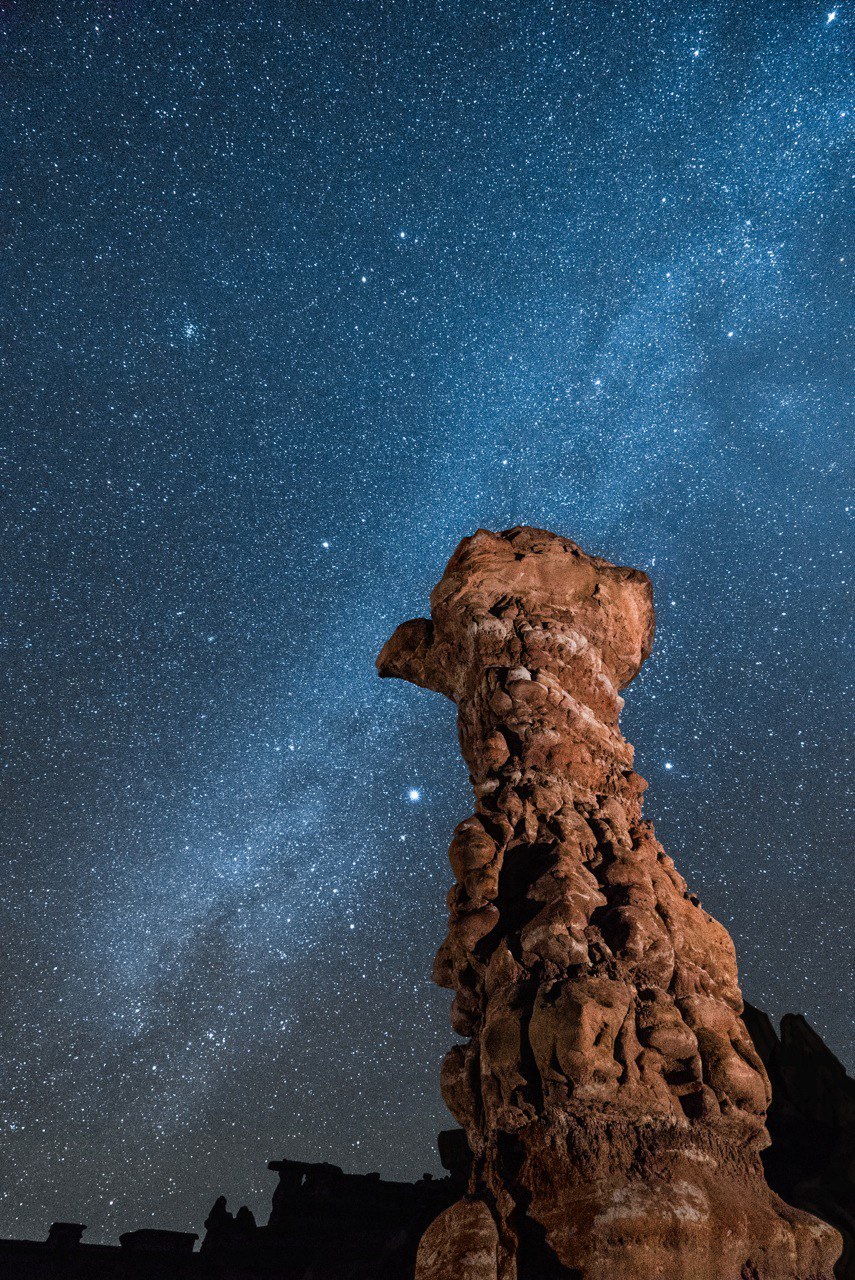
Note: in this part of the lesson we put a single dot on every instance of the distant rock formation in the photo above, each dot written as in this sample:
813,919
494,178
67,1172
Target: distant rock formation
811,1121
612,1098
324,1224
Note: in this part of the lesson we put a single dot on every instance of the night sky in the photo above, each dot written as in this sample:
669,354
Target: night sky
297,295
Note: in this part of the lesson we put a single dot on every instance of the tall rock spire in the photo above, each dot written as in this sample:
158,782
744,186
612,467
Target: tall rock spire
610,1093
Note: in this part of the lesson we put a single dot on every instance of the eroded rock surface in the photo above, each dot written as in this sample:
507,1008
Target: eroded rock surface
612,1098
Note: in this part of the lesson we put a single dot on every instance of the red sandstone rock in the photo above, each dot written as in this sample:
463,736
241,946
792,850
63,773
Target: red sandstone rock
462,1241
612,1098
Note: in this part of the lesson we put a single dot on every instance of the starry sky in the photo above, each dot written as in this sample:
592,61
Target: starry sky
296,296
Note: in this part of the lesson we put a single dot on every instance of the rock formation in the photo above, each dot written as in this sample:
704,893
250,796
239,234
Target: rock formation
811,1122
324,1224
612,1098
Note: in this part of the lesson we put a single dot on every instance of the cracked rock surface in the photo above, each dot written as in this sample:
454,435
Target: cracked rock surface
611,1095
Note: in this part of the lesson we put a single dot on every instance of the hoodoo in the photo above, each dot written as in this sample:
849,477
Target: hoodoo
612,1098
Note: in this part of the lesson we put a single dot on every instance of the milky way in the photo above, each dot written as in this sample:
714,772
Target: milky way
297,296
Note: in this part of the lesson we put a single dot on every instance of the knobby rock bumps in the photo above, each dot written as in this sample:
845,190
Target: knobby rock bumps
610,1093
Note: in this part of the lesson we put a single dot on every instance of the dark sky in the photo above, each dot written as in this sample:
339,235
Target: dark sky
296,296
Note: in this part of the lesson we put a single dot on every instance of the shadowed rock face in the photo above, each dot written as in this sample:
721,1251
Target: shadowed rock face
611,1096
811,1122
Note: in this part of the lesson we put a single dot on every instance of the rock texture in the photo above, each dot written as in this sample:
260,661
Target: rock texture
612,1098
811,1122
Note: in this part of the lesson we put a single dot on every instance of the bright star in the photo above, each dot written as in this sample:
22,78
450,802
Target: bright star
668,764
831,17
414,794
402,234
326,546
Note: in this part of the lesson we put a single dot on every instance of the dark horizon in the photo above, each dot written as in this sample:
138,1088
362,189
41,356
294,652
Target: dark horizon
296,303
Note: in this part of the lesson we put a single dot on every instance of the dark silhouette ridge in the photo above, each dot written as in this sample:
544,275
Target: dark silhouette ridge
324,1224
811,1121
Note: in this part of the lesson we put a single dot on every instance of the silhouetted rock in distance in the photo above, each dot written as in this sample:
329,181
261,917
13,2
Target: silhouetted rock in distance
811,1121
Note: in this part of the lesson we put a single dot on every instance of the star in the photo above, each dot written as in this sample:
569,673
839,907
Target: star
414,794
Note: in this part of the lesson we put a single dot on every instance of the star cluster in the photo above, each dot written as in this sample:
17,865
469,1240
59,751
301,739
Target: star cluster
297,295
